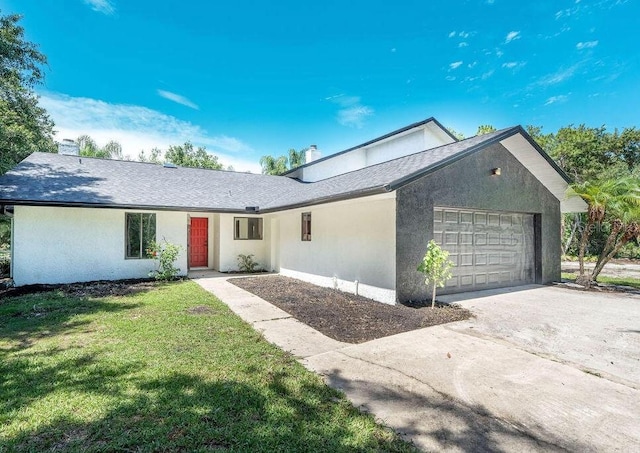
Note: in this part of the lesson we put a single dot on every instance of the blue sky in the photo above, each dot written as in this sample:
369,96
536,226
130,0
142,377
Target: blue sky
249,78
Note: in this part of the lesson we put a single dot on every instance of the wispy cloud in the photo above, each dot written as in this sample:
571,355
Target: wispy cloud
586,45
178,99
558,77
452,34
139,128
101,6
511,36
463,44
455,65
556,99
352,112
514,64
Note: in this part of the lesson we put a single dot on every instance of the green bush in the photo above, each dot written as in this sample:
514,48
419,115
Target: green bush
165,255
5,264
247,264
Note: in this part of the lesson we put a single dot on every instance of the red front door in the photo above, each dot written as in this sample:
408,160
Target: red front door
199,253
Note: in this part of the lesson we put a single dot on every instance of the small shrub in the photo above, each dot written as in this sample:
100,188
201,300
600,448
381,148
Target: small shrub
247,264
5,264
165,255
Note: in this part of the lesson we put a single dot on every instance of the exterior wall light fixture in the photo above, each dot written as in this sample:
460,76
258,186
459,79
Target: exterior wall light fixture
496,171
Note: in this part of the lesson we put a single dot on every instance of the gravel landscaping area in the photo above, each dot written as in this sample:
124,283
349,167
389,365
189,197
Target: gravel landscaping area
344,316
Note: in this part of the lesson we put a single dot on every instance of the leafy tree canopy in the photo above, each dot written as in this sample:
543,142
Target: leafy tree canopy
278,165
25,127
186,156
89,148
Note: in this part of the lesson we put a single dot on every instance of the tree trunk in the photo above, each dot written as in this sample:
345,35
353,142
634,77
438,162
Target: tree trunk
606,259
583,245
576,222
433,298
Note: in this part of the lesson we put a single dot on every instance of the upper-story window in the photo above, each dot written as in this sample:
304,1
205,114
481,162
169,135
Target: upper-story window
247,228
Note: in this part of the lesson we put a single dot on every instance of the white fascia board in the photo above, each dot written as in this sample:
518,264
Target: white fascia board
522,150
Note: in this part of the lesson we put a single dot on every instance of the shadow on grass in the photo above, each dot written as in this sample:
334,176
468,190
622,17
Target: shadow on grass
187,413
453,424
25,319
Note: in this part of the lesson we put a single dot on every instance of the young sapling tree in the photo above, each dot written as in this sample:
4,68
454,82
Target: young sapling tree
436,267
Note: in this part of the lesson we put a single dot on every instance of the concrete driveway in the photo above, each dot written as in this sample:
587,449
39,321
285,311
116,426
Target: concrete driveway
595,332
512,379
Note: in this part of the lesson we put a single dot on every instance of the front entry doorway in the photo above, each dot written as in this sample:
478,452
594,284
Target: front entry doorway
199,236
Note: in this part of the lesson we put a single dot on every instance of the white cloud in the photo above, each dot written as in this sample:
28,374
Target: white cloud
514,64
452,34
455,64
450,78
558,77
512,35
178,99
555,99
464,34
472,65
463,44
487,74
586,45
101,6
354,116
352,113
490,2
139,128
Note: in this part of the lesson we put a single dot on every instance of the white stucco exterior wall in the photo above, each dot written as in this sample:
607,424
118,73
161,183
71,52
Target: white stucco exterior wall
230,248
67,245
350,240
412,141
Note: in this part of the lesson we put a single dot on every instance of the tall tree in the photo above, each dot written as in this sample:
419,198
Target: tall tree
186,156
25,127
273,165
614,206
155,156
485,129
89,148
297,158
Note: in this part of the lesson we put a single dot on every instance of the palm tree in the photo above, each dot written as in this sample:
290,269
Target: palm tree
272,165
296,158
612,201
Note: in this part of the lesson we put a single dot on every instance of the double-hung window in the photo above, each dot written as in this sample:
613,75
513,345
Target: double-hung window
306,226
140,232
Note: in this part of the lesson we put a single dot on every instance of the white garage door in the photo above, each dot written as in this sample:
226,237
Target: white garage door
489,249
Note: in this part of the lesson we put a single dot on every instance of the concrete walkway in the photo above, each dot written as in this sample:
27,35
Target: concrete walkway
446,389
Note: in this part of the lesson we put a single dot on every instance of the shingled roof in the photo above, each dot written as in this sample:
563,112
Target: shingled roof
62,180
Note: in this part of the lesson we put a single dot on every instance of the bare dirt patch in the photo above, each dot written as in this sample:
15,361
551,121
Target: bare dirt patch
343,316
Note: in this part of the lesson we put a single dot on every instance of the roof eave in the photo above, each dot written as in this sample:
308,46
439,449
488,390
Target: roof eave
65,204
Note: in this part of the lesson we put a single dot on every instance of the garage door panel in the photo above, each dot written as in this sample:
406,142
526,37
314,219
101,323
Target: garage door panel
489,249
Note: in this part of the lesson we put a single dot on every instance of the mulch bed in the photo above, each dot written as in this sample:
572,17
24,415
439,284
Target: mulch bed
343,316
101,288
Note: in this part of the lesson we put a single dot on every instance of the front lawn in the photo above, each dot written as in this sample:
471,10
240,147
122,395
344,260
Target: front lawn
624,281
168,368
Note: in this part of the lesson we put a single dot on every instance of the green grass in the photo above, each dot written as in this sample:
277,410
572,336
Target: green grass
143,373
625,281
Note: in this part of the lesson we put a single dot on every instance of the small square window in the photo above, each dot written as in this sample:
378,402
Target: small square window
247,228
306,226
